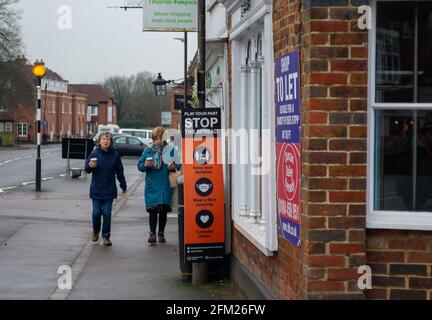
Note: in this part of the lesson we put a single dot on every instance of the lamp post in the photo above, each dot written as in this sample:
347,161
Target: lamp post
160,85
160,89
185,84
39,72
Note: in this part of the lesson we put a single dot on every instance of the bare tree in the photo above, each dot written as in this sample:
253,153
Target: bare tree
119,87
136,99
10,31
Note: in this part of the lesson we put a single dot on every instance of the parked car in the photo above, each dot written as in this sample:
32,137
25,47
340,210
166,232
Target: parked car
127,145
113,128
143,134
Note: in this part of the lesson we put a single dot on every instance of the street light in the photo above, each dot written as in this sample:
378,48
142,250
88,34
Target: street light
160,85
39,71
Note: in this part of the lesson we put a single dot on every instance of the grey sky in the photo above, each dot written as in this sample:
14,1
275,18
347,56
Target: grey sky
102,41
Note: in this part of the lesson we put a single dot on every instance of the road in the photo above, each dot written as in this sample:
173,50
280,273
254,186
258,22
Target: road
18,166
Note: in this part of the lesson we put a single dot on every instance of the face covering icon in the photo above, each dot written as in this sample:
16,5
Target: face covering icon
204,187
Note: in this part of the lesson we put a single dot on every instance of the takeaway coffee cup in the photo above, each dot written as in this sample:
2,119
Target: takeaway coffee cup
94,160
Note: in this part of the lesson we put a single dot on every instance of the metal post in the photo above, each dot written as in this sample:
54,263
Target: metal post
200,270
45,123
201,53
185,71
38,119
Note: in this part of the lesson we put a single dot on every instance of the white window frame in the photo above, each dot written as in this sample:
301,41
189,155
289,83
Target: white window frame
382,219
93,110
8,127
110,114
2,127
22,125
264,237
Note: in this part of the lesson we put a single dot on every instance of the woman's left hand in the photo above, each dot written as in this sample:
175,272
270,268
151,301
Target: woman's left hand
171,166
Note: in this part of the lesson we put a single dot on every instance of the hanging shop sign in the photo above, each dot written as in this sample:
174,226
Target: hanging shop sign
287,87
204,215
170,15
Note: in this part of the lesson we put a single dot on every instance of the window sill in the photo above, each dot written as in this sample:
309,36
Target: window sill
253,233
399,220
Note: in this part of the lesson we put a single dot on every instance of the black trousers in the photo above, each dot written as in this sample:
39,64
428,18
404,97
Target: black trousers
154,212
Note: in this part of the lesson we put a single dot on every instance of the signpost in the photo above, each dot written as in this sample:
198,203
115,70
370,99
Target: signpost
76,148
170,15
287,86
166,118
204,225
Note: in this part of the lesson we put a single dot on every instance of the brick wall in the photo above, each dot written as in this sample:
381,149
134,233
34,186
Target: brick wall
334,56
335,242
401,263
334,89
24,114
283,274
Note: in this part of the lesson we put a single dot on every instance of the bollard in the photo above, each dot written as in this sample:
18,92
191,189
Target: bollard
199,270
185,267
199,273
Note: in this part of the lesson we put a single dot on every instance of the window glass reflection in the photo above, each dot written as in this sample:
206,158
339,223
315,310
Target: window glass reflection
394,52
425,52
394,130
404,160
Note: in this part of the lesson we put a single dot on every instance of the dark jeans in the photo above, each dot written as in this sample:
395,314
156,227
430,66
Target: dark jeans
162,210
102,208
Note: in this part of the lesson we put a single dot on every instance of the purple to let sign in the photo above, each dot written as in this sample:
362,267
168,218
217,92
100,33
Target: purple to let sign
287,83
288,150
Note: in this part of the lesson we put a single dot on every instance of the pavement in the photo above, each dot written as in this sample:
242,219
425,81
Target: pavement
39,232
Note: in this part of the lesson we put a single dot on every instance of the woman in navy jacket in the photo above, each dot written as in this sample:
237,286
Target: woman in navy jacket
105,164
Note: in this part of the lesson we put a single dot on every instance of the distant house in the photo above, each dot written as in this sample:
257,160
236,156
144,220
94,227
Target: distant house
62,112
101,108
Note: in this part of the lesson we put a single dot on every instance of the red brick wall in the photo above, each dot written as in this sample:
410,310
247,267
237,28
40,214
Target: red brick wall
25,114
401,263
333,196
102,113
28,114
334,57
79,117
334,91
283,274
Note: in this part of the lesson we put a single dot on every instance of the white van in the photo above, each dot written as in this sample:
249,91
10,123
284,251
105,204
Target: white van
143,134
113,128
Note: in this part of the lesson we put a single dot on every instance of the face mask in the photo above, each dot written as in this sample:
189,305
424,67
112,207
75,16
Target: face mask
204,187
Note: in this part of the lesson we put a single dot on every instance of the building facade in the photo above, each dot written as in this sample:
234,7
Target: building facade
62,112
100,109
364,161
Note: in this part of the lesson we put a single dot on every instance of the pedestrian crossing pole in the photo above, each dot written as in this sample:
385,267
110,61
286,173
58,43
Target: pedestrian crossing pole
39,71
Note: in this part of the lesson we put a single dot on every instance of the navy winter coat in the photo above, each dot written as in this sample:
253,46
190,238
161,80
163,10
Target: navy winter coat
157,185
109,164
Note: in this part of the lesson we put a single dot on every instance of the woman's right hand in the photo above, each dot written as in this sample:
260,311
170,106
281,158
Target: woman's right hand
92,164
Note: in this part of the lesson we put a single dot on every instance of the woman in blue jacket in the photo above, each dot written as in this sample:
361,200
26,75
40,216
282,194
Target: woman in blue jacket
105,164
158,193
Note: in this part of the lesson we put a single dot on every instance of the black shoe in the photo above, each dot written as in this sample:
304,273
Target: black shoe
95,237
161,237
107,242
152,238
